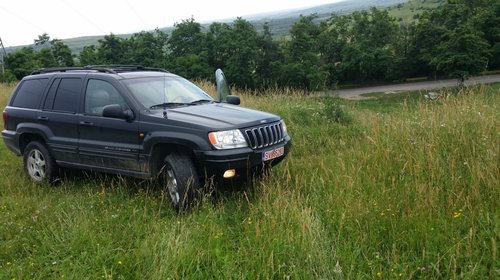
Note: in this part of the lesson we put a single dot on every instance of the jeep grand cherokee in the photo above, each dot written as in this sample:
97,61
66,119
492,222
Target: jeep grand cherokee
141,122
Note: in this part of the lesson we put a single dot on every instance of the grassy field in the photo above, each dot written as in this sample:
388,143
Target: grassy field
392,188
406,12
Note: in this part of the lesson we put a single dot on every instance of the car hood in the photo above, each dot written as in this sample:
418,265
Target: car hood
219,115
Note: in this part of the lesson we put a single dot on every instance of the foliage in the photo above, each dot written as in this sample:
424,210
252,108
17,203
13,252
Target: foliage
88,56
111,50
303,64
147,48
22,62
62,53
335,111
51,53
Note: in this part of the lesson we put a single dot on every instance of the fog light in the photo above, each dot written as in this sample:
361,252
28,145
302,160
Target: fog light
229,173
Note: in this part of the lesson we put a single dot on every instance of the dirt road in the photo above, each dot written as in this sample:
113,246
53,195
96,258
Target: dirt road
354,93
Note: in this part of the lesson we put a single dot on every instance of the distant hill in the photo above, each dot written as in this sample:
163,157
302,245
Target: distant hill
280,22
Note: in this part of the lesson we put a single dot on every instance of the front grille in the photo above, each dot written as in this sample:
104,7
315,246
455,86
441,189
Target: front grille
266,135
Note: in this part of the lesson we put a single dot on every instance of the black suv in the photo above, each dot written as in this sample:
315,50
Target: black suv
141,122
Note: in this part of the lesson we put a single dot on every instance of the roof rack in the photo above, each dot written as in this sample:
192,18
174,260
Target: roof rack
125,68
111,69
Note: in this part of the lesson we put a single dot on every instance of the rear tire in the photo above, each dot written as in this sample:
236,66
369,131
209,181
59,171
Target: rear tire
39,165
180,180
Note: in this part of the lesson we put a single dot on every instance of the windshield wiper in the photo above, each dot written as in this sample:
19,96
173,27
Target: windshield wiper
201,101
168,104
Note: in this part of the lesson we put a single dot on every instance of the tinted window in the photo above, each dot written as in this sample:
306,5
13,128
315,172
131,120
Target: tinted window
67,95
99,94
29,93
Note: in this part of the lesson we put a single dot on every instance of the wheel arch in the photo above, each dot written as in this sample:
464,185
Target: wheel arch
32,132
28,137
160,150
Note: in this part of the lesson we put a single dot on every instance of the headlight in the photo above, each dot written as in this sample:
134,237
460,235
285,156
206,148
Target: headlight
284,127
228,139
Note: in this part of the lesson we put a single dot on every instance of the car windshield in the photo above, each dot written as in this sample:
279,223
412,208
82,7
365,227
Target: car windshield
164,91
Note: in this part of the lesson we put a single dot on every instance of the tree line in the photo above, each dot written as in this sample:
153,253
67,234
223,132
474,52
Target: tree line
458,39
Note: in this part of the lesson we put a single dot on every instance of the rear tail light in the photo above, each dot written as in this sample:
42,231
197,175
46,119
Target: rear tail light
5,118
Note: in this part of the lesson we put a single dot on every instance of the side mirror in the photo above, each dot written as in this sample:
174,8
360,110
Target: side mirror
116,111
233,99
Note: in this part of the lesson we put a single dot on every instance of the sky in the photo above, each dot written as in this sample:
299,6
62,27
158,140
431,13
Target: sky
21,21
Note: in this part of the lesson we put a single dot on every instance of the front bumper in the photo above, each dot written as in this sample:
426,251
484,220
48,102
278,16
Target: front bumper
243,160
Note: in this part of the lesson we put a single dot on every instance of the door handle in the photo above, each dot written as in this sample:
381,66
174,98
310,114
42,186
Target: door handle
87,123
43,118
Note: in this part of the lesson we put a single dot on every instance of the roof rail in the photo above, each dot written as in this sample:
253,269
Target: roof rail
125,68
66,69
111,69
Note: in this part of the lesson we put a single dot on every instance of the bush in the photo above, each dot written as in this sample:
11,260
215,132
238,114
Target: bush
335,111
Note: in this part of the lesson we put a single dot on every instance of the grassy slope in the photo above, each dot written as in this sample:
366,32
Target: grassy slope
405,12
408,189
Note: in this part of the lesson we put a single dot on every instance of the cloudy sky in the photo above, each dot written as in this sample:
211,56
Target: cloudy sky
22,20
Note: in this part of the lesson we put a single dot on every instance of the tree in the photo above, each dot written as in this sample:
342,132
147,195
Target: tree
234,48
147,48
186,38
218,38
111,50
303,66
42,39
22,62
333,39
242,49
461,54
269,59
451,40
46,58
188,56
62,54
89,56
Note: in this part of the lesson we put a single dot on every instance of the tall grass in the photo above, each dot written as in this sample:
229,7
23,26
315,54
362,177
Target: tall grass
410,192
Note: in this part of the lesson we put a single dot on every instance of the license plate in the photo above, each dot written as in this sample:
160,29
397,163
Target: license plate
272,154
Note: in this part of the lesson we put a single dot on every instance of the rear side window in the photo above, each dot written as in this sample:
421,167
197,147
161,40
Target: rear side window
67,95
29,93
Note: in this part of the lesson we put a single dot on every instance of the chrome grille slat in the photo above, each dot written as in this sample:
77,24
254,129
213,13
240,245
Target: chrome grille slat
265,135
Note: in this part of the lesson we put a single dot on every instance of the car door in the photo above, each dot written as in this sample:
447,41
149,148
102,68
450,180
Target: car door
108,143
59,115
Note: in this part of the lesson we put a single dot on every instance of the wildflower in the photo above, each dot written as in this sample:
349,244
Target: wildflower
457,214
379,274
9,263
120,262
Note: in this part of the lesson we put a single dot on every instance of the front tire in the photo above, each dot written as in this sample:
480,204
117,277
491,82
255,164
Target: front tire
181,181
39,165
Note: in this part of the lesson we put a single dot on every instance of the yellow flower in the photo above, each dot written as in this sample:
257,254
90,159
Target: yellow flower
120,263
379,274
457,214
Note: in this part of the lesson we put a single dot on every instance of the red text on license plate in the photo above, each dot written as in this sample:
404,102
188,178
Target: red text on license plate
272,154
